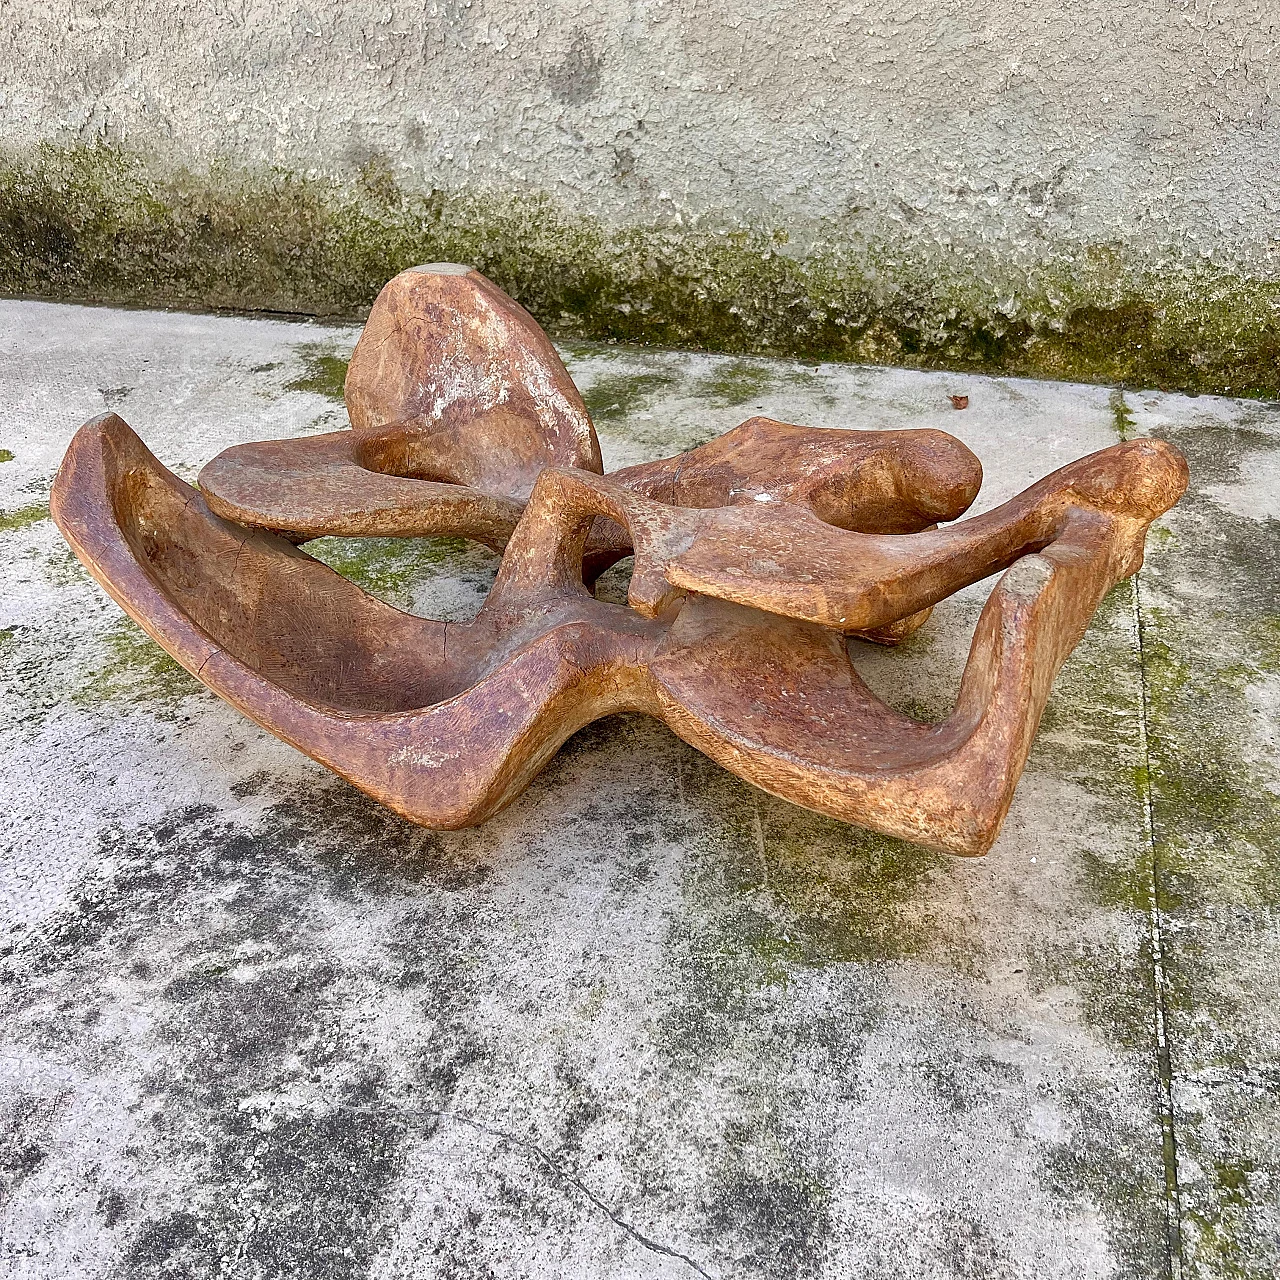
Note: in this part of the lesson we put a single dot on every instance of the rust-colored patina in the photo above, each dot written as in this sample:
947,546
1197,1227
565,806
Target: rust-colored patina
756,555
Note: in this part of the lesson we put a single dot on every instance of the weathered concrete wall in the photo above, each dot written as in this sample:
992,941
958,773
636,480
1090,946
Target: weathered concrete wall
1084,188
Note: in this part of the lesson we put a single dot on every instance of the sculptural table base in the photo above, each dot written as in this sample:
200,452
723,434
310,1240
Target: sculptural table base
755,557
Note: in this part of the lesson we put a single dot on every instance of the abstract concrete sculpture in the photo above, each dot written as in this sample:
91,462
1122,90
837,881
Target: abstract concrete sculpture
755,556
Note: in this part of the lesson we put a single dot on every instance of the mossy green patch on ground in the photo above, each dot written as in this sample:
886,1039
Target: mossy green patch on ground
615,396
1262,642
402,571
620,392
804,886
389,568
1091,735
6,455
93,663
736,384
324,372
1210,635
773,893
1210,598
131,667
1227,1209
24,516
103,224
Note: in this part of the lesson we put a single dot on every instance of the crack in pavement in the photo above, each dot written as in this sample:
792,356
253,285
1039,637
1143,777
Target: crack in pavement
525,1145
1159,976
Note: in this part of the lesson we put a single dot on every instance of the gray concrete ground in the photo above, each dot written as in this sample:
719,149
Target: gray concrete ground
649,1022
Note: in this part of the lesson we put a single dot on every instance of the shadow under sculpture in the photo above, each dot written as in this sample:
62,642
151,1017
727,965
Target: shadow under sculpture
755,556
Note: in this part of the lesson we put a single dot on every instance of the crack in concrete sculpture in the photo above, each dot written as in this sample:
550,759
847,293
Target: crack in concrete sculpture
755,556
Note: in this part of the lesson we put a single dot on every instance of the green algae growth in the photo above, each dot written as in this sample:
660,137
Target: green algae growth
104,224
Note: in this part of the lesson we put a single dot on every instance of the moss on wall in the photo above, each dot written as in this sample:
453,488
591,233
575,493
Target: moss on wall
101,224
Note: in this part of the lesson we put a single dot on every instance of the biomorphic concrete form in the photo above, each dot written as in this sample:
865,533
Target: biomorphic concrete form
755,556
458,400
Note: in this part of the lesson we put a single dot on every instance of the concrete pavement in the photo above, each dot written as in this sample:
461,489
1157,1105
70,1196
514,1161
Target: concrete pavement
648,1022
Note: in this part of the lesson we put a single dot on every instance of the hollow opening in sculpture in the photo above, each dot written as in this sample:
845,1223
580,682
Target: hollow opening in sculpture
920,676
444,579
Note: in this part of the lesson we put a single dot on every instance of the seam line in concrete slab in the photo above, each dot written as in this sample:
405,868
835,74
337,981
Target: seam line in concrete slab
525,1145
1159,977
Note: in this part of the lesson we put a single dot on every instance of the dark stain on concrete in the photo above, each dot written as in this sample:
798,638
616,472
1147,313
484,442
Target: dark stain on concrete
274,1120
271,1109
112,1206
576,79
24,1127
168,1245
114,397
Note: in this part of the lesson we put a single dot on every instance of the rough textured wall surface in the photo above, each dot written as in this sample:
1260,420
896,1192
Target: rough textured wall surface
1082,188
